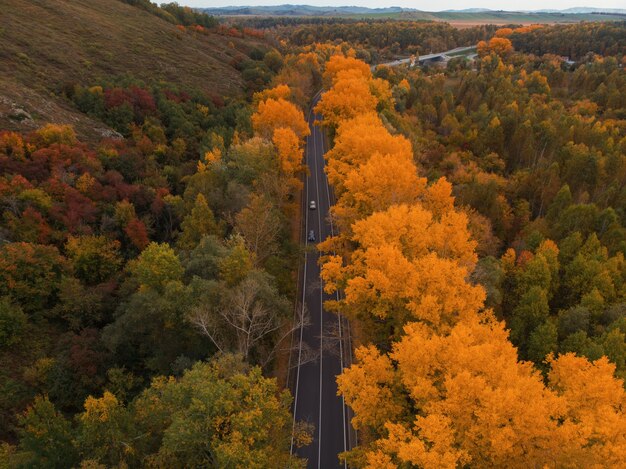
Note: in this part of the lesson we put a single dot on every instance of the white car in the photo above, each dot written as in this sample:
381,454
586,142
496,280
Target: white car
312,205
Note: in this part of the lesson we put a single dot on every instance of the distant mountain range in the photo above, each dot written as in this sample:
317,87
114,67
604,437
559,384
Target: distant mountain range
302,10
571,11
469,10
583,10
309,10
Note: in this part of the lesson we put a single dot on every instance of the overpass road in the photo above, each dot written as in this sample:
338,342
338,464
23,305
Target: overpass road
423,58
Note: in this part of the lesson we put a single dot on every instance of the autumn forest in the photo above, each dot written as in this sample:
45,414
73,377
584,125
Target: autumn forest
152,227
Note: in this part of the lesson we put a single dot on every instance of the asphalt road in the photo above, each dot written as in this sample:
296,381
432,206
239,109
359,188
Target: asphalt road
313,382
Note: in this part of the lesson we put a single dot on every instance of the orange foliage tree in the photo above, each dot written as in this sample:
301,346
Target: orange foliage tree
290,154
274,113
349,97
353,91
355,141
280,91
463,399
408,265
499,45
504,32
283,123
339,63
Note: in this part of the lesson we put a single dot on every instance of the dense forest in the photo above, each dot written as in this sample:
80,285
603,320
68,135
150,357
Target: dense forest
127,260
148,278
134,259
534,149
574,41
374,40
429,276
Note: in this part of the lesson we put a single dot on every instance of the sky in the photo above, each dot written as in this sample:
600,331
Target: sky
425,5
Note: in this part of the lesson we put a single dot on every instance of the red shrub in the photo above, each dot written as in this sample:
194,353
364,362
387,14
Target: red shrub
137,233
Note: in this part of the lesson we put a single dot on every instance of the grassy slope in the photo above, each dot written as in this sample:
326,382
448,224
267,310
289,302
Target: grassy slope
48,44
504,17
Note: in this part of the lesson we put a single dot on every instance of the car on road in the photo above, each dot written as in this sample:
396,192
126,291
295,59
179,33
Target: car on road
312,205
311,235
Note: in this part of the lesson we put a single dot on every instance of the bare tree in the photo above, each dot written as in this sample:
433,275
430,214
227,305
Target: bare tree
246,320
334,338
303,352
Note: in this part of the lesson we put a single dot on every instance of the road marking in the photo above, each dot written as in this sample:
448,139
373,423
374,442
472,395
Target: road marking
339,317
304,286
306,243
319,221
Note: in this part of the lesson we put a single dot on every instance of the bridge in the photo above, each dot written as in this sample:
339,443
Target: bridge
428,58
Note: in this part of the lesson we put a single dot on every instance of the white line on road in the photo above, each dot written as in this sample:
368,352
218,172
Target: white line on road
306,243
339,317
319,220
314,161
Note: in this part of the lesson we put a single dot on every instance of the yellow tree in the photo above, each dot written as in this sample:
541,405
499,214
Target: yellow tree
500,45
407,265
464,409
349,97
438,197
417,233
275,113
596,403
462,398
281,91
482,48
504,32
382,181
290,154
356,140
382,91
339,63
300,72
282,122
